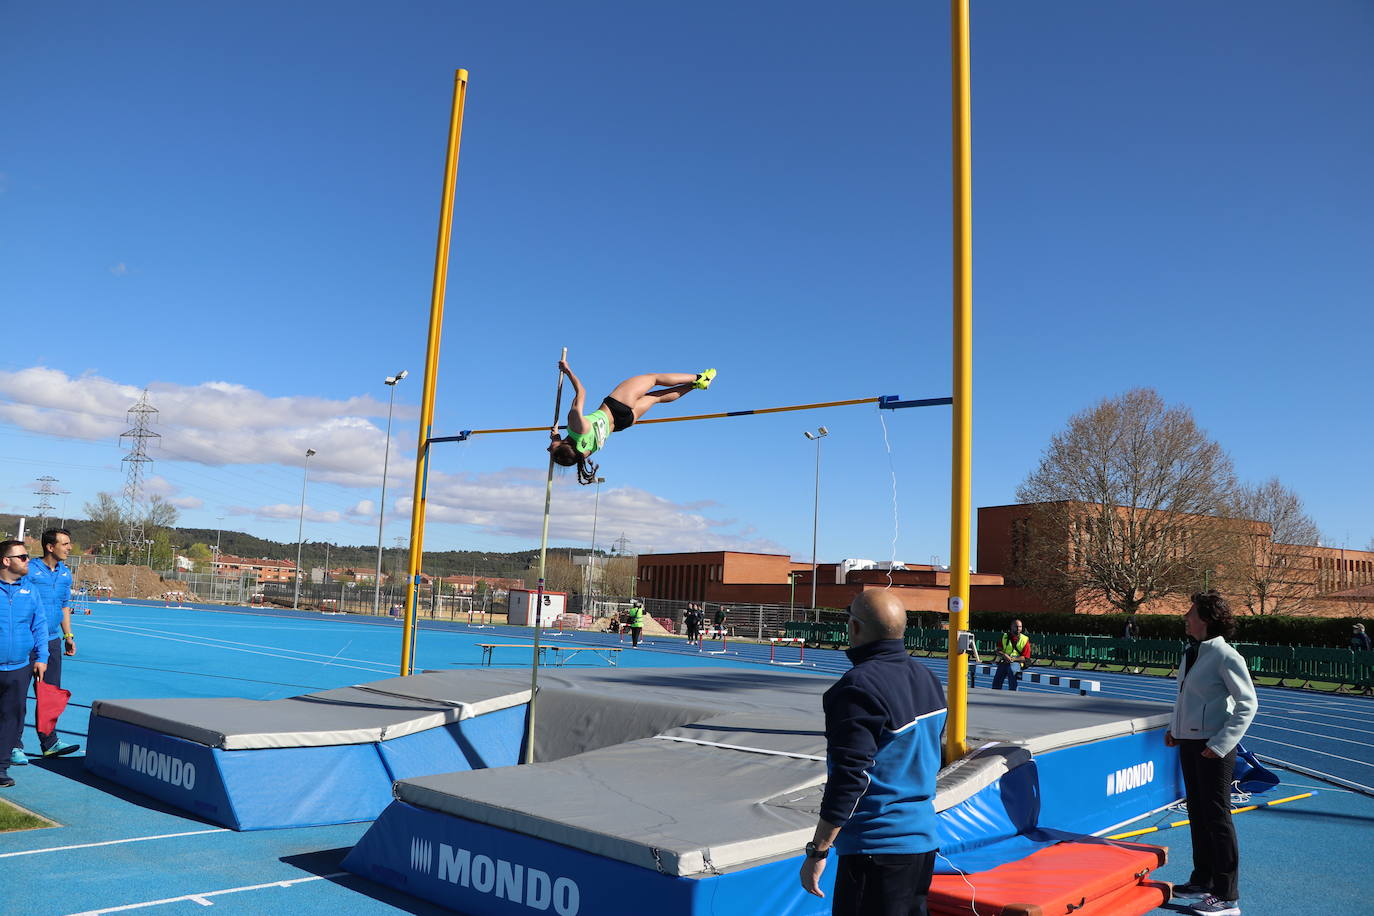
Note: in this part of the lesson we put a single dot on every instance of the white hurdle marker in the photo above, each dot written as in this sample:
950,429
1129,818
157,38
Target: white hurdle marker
796,641
723,645
1082,685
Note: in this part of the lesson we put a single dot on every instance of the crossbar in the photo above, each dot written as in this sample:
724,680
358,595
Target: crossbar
886,402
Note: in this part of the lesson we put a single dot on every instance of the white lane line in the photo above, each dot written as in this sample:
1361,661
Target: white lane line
1308,720
1309,750
290,658
236,643
132,839
203,898
1298,731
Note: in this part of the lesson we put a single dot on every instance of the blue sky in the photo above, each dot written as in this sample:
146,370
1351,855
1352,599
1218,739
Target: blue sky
236,204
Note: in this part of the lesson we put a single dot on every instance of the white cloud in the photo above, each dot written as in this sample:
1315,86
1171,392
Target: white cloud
280,511
511,503
213,423
221,423
120,270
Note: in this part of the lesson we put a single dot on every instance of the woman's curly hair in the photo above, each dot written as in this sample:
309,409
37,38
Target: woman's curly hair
1216,612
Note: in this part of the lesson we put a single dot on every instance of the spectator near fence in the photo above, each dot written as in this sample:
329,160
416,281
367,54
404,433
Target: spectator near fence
1359,639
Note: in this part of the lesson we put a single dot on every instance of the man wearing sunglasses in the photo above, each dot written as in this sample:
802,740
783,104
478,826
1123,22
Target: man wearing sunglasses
23,646
51,580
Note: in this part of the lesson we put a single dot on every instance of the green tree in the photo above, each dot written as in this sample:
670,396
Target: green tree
201,555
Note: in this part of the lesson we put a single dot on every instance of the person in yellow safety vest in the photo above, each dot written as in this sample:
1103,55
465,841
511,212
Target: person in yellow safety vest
1013,656
636,624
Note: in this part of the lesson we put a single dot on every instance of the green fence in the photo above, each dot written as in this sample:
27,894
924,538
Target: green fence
1303,664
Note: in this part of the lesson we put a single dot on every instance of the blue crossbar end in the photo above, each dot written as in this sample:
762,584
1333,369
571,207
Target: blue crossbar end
892,402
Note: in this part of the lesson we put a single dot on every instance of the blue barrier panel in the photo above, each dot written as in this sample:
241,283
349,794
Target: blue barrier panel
179,772
482,870
1092,787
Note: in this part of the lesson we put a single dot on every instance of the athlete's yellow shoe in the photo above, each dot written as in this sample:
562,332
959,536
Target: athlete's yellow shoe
704,380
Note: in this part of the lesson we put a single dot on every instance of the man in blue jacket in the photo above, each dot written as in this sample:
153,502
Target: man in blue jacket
883,721
23,646
52,582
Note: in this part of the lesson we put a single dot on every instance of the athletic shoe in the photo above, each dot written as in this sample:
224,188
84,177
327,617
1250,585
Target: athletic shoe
1192,890
1214,906
18,758
61,749
6,782
704,380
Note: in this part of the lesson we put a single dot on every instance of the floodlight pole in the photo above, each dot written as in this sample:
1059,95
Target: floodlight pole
300,530
390,382
820,434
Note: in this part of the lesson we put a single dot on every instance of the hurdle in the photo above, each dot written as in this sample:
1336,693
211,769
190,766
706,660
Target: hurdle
483,615
724,643
795,641
1082,685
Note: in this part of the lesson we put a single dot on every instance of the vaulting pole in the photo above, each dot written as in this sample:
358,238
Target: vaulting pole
539,593
436,323
961,501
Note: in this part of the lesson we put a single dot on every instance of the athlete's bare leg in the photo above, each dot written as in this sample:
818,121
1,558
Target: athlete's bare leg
636,393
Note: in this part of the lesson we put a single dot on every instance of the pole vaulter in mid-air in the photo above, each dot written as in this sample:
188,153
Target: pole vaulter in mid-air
626,403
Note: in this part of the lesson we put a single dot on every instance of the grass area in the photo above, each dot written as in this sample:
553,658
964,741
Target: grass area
12,817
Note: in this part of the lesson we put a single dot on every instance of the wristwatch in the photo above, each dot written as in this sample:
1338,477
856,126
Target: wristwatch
812,852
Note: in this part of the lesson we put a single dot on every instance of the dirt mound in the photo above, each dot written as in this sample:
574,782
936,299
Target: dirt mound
131,582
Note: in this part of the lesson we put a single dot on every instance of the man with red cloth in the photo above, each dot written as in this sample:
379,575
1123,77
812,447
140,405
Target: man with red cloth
23,646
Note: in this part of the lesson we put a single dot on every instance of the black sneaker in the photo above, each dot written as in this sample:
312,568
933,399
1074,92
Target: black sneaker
1192,890
6,781
1215,906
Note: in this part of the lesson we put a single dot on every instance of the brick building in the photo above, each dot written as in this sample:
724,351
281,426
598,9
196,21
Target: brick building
232,567
761,578
467,585
1318,578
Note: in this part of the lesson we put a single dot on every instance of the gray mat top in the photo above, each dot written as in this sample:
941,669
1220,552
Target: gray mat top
687,770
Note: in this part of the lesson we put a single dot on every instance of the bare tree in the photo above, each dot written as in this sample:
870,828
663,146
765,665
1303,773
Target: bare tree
1268,575
1129,505
618,576
107,517
159,514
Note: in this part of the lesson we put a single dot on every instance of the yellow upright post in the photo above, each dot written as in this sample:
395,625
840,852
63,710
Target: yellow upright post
436,325
539,592
961,502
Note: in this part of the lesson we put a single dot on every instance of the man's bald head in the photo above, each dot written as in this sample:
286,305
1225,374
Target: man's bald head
879,614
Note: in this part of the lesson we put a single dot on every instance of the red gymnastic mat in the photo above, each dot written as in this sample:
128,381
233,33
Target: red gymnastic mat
51,701
1079,878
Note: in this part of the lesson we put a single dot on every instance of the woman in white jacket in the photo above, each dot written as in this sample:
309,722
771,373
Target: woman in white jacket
1216,703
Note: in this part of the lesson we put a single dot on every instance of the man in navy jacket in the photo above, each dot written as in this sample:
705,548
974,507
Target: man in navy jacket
23,647
883,721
